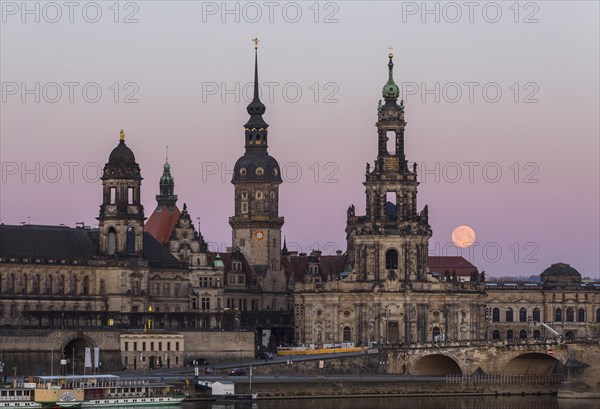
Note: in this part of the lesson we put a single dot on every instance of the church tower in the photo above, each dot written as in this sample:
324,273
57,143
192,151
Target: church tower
121,219
256,225
167,196
389,244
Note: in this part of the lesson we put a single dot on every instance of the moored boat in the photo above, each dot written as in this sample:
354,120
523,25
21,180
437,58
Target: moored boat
88,391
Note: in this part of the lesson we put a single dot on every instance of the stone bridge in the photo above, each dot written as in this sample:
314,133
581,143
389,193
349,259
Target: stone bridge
489,357
577,361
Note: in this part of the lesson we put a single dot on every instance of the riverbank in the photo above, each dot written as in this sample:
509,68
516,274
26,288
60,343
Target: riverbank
323,387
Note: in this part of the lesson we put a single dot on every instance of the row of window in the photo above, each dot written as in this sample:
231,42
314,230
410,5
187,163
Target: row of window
49,285
159,344
511,335
259,207
569,315
242,304
13,312
166,290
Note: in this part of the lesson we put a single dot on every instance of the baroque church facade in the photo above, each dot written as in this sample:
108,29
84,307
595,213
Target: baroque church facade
158,273
391,292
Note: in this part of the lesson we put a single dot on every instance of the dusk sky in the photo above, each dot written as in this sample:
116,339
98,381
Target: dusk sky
501,101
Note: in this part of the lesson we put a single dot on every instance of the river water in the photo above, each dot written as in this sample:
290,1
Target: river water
487,402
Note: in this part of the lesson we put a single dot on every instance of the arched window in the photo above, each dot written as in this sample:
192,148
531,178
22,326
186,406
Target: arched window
36,284
558,315
536,314
86,285
496,315
581,315
509,315
112,242
570,314
522,315
10,286
23,284
523,334
509,334
536,334
131,240
347,333
48,284
570,335
391,259
61,284
436,333
598,315
496,334
73,285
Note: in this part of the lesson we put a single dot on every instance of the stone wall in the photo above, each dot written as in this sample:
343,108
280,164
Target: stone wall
38,352
325,387
220,344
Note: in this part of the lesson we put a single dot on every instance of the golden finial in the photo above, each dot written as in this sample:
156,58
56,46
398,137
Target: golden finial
122,135
255,40
391,54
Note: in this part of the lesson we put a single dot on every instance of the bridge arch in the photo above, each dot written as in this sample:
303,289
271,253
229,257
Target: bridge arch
73,350
436,365
533,363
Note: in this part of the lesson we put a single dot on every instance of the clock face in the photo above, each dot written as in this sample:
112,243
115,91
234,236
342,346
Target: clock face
259,235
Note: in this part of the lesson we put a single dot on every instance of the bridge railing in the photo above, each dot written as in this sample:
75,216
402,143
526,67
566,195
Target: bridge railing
504,379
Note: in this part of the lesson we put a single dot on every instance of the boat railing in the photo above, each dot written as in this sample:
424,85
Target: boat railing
15,398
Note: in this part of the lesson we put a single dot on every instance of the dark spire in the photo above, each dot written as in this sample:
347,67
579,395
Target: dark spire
284,250
256,127
167,194
390,92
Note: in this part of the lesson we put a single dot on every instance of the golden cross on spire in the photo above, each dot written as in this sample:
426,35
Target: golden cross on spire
122,135
391,51
255,40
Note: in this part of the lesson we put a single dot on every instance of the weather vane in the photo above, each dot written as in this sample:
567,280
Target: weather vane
166,153
255,41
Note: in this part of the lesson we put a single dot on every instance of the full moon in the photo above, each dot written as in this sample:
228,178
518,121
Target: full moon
463,236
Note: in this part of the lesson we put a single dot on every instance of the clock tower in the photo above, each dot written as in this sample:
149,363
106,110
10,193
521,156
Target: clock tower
256,224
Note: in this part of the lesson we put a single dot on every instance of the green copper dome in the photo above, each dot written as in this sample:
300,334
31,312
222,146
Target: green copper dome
391,92
166,177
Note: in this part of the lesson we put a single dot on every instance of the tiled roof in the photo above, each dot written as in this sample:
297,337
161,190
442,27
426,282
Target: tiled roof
226,258
439,264
46,242
298,265
71,244
161,223
158,255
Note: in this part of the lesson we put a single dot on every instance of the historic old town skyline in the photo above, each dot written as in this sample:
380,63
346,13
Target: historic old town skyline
456,141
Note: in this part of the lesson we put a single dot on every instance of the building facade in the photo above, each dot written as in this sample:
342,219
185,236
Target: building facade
131,273
387,290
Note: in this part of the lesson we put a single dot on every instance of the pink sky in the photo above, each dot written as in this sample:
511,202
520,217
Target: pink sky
182,60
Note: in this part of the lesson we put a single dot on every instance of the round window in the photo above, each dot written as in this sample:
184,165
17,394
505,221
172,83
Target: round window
242,171
260,171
